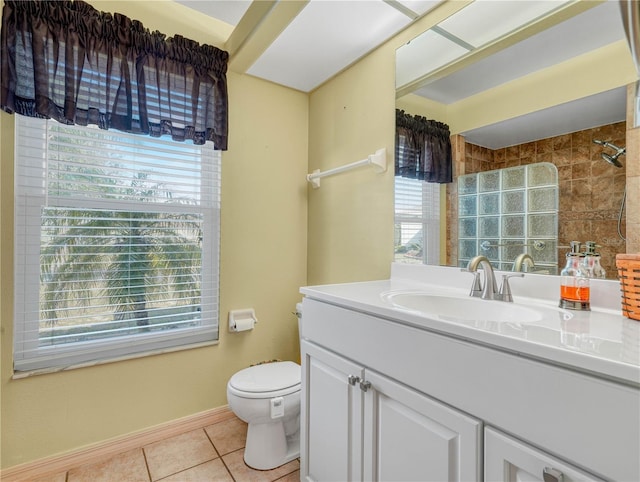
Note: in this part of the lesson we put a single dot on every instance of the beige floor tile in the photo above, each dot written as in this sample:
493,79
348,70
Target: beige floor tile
178,453
228,436
126,467
292,477
214,470
241,472
61,477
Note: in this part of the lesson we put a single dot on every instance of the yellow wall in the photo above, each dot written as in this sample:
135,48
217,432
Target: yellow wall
351,214
263,264
416,105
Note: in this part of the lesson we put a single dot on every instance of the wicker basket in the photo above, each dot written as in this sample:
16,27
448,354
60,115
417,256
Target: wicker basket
629,273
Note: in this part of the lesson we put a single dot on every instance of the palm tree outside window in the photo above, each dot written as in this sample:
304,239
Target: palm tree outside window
122,244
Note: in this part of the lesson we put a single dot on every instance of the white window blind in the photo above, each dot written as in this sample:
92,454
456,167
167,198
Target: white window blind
116,242
417,221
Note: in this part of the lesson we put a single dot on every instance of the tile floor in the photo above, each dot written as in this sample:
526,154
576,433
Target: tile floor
212,454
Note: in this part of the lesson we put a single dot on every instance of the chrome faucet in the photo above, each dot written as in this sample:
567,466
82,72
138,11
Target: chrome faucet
488,290
523,259
489,287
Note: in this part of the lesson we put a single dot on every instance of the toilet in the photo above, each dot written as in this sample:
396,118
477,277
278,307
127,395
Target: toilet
267,397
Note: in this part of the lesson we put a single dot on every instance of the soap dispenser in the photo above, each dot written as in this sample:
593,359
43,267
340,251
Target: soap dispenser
592,261
574,281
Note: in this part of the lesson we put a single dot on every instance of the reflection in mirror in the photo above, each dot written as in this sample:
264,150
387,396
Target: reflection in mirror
542,96
590,189
472,30
417,222
505,214
423,159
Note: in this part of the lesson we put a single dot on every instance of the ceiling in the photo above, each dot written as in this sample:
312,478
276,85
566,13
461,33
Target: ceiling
229,11
316,40
595,28
304,43
587,31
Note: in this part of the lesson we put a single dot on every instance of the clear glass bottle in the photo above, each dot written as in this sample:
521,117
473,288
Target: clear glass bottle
574,281
592,261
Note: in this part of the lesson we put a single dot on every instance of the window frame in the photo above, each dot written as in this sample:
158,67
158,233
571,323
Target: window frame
28,356
429,218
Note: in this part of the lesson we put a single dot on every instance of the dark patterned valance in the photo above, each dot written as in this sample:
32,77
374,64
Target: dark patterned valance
67,61
423,149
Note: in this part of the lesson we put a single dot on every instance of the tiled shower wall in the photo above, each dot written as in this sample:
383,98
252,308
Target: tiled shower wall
590,189
633,176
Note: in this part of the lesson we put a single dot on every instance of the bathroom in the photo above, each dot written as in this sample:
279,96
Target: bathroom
277,234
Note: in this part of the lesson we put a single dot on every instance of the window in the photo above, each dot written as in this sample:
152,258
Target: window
417,221
116,242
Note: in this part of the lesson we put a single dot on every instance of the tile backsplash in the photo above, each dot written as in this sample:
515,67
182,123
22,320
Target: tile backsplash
590,189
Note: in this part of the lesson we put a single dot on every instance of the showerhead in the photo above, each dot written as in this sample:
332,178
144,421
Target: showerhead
611,159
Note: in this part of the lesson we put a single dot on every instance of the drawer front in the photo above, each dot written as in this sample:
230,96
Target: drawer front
507,459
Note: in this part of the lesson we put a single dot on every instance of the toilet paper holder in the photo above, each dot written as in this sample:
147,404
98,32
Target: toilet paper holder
242,320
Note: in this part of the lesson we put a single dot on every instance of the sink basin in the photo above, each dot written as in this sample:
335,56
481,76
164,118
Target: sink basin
468,309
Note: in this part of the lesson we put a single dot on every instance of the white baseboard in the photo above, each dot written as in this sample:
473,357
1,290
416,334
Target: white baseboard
109,448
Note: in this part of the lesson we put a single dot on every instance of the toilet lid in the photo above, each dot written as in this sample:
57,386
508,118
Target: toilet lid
267,377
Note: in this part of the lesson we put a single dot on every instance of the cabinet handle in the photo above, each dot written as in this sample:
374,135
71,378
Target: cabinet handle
353,380
552,475
364,385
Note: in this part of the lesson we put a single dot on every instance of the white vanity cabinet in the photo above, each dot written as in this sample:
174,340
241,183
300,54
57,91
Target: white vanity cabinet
332,422
362,425
408,436
433,406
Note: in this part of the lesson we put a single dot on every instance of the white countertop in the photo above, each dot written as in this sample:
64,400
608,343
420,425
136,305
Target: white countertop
601,342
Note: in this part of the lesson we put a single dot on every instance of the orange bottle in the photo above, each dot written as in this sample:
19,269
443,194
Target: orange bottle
574,281
574,293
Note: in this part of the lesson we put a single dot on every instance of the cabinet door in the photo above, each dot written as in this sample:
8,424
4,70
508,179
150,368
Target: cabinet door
331,416
508,459
411,437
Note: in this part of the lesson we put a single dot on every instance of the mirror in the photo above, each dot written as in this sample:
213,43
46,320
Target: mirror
544,91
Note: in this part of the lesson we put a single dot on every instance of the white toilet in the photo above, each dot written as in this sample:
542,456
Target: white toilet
267,397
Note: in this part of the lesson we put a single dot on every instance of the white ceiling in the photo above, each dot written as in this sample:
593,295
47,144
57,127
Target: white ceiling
469,29
229,11
326,36
587,31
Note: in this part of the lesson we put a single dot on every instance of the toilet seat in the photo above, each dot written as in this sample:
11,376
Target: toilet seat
266,381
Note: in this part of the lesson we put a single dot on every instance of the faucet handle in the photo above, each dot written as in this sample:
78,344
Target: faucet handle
505,288
476,287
